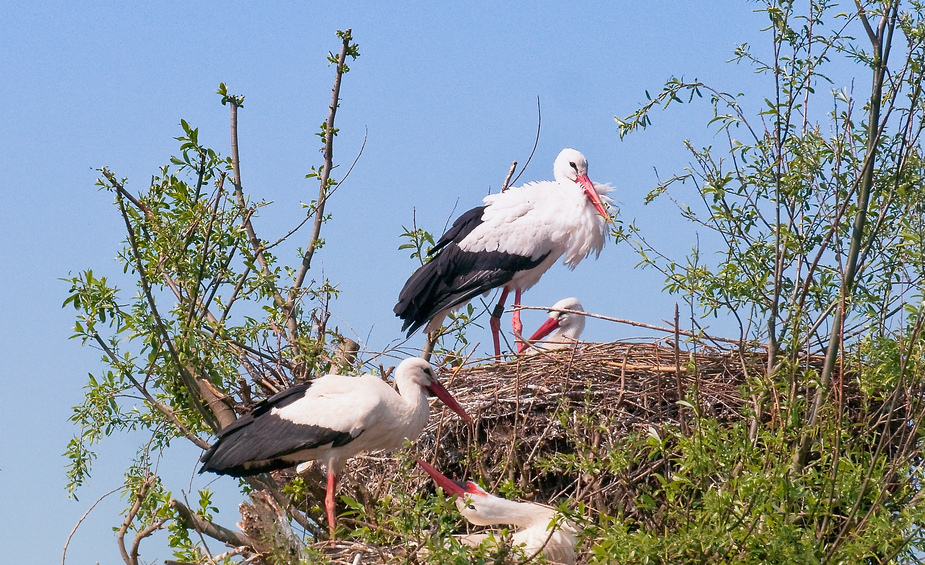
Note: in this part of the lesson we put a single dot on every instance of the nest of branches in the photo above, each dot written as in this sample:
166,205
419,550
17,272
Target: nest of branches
533,411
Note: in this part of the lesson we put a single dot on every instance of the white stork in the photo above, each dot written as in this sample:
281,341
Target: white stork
540,528
509,242
567,325
329,419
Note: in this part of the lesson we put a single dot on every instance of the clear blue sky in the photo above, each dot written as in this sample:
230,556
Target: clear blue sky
447,98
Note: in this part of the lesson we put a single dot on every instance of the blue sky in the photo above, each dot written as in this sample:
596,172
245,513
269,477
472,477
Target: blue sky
446,96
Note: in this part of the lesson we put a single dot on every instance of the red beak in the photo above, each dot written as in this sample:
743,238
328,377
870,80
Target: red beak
548,326
449,486
444,395
592,195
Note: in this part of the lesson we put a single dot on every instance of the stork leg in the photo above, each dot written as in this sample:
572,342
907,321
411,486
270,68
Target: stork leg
495,323
515,317
329,501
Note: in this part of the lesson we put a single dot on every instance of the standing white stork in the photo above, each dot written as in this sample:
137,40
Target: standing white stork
509,242
540,528
329,419
567,325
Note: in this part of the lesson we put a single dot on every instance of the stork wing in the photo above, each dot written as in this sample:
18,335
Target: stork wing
330,412
454,277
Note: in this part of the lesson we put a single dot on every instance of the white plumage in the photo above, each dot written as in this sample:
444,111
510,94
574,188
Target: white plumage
329,419
509,242
539,527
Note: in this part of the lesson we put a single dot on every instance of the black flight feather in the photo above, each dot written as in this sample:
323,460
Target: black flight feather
260,441
453,276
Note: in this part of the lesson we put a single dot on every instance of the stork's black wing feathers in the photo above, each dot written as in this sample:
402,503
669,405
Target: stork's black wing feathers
260,441
455,276
278,400
460,229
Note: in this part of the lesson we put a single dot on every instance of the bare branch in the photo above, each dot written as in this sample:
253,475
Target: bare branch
242,203
325,173
536,141
862,15
122,191
129,517
510,173
82,518
685,333
145,532
211,529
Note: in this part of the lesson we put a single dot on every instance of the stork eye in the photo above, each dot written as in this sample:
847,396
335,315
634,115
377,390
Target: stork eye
470,506
574,166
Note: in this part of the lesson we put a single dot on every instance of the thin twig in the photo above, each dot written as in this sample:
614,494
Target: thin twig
82,518
636,324
510,173
536,141
128,195
325,173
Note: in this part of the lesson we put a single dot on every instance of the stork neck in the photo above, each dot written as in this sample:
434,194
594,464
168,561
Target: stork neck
414,407
523,514
570,333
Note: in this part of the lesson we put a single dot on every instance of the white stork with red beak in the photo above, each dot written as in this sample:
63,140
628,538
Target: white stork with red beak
540,528
509,242
329,419
565,327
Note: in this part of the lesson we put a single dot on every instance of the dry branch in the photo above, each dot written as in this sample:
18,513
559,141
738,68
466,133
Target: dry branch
214,531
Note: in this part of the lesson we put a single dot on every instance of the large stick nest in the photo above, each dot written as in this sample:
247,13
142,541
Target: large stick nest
530,409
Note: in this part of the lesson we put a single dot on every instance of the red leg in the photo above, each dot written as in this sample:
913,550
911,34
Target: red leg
329,501
495,323
515,318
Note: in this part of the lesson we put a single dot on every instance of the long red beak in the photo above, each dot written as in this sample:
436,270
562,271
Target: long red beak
444,395
592,195
449,486
547,328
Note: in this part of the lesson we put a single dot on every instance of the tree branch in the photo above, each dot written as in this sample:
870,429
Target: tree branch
133,511
122,191
192,520
507,179
156,404
185,376
234,102
857,235
325,174
84,517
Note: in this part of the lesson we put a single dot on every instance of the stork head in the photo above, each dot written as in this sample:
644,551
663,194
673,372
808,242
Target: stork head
476,505
570,324
571,166
470,497
419,372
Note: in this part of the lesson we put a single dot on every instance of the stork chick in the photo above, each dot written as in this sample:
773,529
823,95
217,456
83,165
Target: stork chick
566,328
539,527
